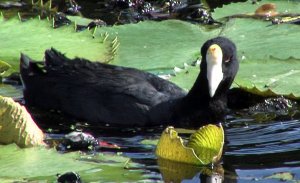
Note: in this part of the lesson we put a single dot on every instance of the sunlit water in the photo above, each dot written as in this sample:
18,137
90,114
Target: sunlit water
254,151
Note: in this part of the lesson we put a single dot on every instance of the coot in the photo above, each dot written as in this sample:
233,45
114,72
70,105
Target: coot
119,96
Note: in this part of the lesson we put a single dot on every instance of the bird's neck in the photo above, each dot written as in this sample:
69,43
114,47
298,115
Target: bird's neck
199,93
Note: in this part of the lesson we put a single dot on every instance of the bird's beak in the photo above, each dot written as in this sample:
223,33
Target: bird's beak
214,58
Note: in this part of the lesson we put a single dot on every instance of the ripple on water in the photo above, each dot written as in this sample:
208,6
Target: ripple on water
266,138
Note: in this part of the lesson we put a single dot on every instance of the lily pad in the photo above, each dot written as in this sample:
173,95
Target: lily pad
259,40
158,46
269,56
248,8
41,164
38,35
17,126
186,77
198,151
270,78
268,67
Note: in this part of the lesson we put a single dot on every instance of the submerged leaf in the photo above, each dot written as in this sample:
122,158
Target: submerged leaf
209,147
17,126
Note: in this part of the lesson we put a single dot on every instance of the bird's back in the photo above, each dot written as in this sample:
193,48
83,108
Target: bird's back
92,91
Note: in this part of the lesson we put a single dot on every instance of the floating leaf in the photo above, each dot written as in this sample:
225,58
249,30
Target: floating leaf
259,40
186,77
248,8
158,46
269,56
42,165
171,146
270,78
38,35
17,126
80,20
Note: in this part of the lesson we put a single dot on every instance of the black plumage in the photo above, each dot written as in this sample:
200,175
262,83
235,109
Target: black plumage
107,94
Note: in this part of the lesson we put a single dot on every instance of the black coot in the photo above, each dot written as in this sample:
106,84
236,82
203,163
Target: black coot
107,94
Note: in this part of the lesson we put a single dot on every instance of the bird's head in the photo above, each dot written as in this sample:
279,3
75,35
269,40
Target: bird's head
219,64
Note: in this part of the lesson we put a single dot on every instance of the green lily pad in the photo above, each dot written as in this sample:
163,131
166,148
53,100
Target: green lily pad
17,126
204,147
259,40
158,46
269,56
186,77
38,35
41,164
248,8
270,78
80,20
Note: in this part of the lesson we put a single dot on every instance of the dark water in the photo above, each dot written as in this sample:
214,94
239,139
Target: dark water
254,152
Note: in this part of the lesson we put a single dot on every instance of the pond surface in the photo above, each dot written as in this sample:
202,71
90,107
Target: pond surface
255,151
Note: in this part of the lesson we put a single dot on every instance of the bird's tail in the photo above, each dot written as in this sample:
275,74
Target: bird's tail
54,58
29,67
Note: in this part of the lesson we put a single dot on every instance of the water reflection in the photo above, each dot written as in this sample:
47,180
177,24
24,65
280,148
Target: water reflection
180,172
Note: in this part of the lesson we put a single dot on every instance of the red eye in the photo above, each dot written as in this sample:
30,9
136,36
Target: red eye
228,59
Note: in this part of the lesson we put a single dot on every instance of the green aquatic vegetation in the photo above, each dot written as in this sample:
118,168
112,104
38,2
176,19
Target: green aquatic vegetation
34,36
269,56
42,164
158,46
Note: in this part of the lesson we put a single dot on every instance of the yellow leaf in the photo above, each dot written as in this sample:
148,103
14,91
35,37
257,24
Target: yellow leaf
17,126
207,141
